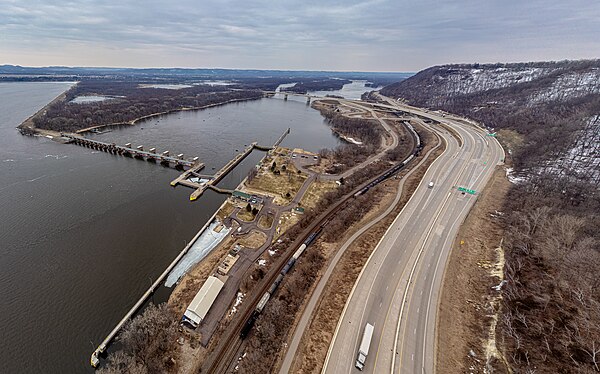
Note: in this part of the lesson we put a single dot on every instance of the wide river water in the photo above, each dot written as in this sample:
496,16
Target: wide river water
83,233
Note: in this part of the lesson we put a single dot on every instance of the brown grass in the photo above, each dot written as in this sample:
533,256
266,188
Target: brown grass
265,221
245,215
287,219
467,301
266,181
226,209
253,240
315,192
316,339
511,139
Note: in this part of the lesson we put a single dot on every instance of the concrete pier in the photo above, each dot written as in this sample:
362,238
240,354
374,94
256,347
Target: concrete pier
194,168
214,179
95,358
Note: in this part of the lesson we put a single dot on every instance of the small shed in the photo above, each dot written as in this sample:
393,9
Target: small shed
203,301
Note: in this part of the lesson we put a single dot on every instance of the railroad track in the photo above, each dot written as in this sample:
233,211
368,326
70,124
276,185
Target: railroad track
224,354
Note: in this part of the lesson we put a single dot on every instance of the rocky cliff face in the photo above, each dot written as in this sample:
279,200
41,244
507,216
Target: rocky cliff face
555,106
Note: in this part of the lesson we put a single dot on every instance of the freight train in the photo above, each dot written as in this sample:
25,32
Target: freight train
395,169
267,295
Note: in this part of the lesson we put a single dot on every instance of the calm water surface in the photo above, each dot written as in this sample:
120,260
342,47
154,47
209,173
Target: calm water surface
83,233
352,91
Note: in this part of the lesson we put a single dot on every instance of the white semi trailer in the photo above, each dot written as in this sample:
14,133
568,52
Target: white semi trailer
365,343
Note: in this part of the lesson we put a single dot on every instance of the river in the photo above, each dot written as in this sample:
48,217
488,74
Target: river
83,233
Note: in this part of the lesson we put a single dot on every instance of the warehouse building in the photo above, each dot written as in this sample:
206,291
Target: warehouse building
204,299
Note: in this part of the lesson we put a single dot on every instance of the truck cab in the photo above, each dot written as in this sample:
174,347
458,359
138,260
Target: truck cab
360,361
363,350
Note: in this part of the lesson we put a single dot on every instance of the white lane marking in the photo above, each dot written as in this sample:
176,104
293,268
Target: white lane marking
419,255
435,274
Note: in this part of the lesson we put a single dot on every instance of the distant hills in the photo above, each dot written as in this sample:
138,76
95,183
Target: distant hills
191,73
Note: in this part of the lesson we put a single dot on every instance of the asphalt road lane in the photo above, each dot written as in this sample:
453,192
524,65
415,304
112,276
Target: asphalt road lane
399,287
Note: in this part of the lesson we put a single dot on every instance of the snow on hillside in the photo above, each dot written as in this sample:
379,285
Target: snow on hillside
582,161
469,80
570,85
540,101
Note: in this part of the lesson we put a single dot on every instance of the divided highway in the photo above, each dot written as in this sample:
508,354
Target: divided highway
399,288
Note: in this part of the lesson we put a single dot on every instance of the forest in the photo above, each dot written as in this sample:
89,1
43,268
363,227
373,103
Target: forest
550,317
347,155
129,101
303,86
549,125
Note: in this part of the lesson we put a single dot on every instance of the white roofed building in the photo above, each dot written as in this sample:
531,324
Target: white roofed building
204,299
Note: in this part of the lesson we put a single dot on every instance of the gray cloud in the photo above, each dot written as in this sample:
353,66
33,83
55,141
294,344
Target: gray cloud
333,35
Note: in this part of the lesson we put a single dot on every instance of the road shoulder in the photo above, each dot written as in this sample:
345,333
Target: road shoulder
467,304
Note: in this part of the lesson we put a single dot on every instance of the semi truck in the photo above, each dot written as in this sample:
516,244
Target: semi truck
363,350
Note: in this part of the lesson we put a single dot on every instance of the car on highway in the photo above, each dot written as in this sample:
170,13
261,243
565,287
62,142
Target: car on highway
430,185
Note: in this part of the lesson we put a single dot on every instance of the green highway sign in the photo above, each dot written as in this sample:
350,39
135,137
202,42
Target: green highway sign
492,134
462,189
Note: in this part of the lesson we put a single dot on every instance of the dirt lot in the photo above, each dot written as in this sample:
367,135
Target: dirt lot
468,303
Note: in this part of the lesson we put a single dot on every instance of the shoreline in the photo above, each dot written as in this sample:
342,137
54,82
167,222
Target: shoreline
28,126
135,121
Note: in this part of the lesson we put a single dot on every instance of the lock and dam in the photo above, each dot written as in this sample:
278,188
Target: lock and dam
190,177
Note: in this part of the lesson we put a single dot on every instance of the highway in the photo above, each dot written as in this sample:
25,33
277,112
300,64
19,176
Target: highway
399,287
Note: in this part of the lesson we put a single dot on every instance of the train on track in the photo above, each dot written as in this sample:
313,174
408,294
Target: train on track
416,152
311,238
288,266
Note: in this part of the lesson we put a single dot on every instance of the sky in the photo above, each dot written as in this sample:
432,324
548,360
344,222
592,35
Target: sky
353,35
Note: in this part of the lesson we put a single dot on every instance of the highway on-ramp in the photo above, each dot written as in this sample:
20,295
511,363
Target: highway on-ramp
398,289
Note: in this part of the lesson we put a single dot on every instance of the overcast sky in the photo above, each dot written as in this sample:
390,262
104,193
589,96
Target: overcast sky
376,35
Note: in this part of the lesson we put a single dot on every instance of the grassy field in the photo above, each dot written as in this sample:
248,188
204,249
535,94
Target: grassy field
315,192
283,186
265,222
253,240
245,215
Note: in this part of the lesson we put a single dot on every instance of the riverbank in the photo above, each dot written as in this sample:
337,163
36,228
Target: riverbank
103,224
149,116
28,127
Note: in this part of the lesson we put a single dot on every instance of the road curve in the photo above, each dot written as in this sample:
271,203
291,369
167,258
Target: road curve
399,287
320,287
